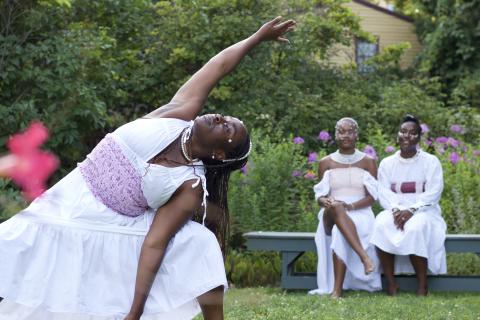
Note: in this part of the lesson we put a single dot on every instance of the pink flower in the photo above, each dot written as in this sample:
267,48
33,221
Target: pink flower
389,149
298,140
476,153
441,140
33,166
456,128
324,136
370,151
454,158
296,173
441,150
424,127
310,175
312,157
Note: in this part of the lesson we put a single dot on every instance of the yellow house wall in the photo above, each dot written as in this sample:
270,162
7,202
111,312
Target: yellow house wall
387,28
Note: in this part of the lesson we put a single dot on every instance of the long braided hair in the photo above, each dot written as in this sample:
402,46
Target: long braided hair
217,174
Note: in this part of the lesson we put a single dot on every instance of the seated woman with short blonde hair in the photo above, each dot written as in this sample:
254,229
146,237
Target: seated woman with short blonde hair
346,259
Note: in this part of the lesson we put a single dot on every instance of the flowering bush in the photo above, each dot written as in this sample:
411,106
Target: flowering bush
27,165
278,184
276,195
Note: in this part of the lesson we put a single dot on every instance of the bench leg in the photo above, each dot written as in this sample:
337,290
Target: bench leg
288,263
292,280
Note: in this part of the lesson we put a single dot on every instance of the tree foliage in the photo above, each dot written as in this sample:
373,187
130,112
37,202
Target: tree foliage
85,67
450,33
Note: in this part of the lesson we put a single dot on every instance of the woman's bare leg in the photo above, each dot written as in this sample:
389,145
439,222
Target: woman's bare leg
388,264
211,304
339,270
346,226
420,266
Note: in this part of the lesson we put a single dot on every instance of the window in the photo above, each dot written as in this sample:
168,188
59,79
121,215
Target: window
363,51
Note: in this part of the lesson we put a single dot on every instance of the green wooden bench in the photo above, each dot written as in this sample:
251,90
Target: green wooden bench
292,245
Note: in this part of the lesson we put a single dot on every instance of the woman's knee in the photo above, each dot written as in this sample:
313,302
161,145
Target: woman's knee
384,219
417,223
337,211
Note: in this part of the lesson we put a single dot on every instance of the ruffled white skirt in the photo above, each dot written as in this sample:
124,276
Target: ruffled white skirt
355,278
67,256
423,235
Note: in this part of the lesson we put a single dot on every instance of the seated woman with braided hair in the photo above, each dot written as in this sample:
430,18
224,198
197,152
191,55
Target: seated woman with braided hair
410,233
114,238
346,259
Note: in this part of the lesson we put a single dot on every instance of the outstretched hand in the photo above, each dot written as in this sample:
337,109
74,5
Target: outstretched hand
276,30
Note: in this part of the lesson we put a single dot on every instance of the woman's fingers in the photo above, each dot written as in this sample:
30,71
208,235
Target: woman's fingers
281,39
397,220
285,24
276,20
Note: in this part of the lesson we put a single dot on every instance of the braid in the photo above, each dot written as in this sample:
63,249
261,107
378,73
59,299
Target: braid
218,174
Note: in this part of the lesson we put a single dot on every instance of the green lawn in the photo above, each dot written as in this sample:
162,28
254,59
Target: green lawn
276,304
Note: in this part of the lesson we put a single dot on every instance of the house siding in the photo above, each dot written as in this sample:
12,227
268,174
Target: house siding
389,29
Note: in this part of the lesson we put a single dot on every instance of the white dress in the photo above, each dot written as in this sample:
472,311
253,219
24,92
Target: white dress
70,256
412,183
346,184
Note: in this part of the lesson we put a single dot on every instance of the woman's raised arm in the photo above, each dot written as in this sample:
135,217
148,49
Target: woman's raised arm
191,97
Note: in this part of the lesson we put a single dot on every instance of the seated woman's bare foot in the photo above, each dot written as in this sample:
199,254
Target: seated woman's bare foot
392,289
422,292
368,265
336,294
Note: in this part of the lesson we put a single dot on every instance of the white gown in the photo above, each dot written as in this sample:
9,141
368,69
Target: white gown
346,184
407,183
69,256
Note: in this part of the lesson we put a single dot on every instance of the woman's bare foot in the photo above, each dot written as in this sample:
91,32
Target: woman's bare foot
392,289
422,292
368,265
336,294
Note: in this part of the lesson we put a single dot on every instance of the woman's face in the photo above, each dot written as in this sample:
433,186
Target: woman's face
408,136
346,135
215,131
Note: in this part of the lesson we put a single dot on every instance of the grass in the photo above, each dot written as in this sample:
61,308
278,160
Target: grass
277,304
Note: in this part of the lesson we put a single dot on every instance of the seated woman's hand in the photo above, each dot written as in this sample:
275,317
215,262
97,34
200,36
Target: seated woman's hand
401,217
326,202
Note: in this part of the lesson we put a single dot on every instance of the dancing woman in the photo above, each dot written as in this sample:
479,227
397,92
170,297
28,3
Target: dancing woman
114,238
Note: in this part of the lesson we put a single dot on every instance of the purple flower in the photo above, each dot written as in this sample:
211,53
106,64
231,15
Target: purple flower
456,128
312,157
298,140
441,140
452,142
476,153
428,142
441,150
389,149
324,136
425,128
370,151
454,158
310,175
296,173
244,169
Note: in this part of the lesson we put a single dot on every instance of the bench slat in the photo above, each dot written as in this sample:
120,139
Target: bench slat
304,241
293,244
